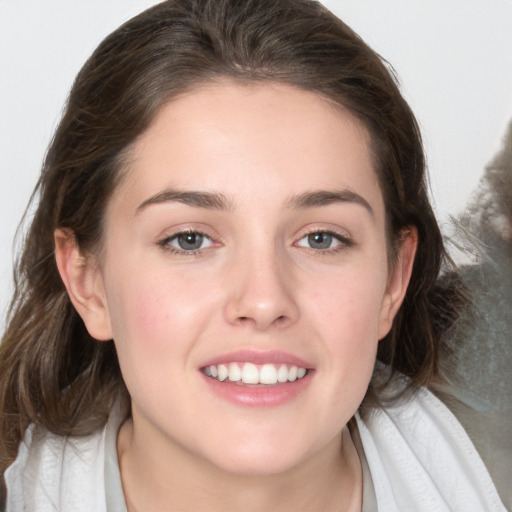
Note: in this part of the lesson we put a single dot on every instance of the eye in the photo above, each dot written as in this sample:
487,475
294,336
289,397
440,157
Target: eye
323,241
189,241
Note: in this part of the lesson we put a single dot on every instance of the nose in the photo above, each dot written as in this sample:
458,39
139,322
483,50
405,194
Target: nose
261,293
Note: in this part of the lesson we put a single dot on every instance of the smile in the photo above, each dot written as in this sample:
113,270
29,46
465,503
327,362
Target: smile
255,378
250,373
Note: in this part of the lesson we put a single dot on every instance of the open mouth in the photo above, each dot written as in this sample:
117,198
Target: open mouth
268,374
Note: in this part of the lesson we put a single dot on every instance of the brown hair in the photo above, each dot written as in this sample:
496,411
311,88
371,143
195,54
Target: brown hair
52,372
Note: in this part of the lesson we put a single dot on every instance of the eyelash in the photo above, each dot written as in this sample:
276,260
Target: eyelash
344,242
164,244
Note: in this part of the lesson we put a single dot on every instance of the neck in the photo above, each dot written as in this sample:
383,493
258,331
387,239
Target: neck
330,481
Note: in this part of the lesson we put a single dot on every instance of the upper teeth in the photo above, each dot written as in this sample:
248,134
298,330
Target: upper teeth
250,373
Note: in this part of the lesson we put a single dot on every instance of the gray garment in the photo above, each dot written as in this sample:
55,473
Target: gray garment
113,487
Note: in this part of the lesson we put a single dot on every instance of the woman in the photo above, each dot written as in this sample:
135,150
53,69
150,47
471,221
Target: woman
232,228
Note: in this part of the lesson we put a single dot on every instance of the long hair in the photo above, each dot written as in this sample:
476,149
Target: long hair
52,373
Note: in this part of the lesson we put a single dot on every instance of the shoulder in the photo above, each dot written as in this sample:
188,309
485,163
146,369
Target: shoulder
54,473
421,459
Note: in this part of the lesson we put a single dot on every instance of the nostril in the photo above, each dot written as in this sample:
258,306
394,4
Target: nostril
280,320
244,320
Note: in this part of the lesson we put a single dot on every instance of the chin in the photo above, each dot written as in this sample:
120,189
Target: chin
260,459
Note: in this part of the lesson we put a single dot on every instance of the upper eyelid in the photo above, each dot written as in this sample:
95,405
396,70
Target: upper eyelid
168,239
338,232
186,232
165,243
172,233
178,233
345,240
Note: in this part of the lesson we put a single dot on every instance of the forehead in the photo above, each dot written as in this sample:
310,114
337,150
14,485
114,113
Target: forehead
250,141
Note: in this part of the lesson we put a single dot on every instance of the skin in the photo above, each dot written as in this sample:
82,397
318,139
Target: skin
255,283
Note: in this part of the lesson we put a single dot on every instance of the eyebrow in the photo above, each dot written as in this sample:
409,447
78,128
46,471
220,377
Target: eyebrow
218,201
208,200
316,198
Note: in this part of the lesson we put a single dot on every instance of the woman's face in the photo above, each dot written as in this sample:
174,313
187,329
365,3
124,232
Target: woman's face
247,240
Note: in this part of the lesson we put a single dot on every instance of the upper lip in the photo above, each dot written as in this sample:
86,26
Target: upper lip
258,357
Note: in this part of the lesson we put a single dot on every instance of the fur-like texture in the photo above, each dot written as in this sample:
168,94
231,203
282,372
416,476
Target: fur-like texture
476,358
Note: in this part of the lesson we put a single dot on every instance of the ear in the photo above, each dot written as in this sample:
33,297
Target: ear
398,280
84,284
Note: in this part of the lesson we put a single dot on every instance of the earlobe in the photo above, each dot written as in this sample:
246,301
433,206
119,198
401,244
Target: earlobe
398,281
83,283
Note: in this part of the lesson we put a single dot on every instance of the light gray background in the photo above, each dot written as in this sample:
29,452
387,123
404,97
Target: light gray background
453,58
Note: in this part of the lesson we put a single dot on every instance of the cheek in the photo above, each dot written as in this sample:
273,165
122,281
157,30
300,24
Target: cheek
156,317
155,327
137,312
345,320
350,304
346,316
352,336
152,300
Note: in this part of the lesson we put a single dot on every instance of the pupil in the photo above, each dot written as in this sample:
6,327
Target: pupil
190,241
320,240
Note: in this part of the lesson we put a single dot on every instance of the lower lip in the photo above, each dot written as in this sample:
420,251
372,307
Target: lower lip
258,396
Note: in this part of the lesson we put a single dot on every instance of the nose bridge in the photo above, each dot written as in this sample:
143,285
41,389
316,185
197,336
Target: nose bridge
261,291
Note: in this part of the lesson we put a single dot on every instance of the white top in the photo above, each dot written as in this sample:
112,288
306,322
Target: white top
419,458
